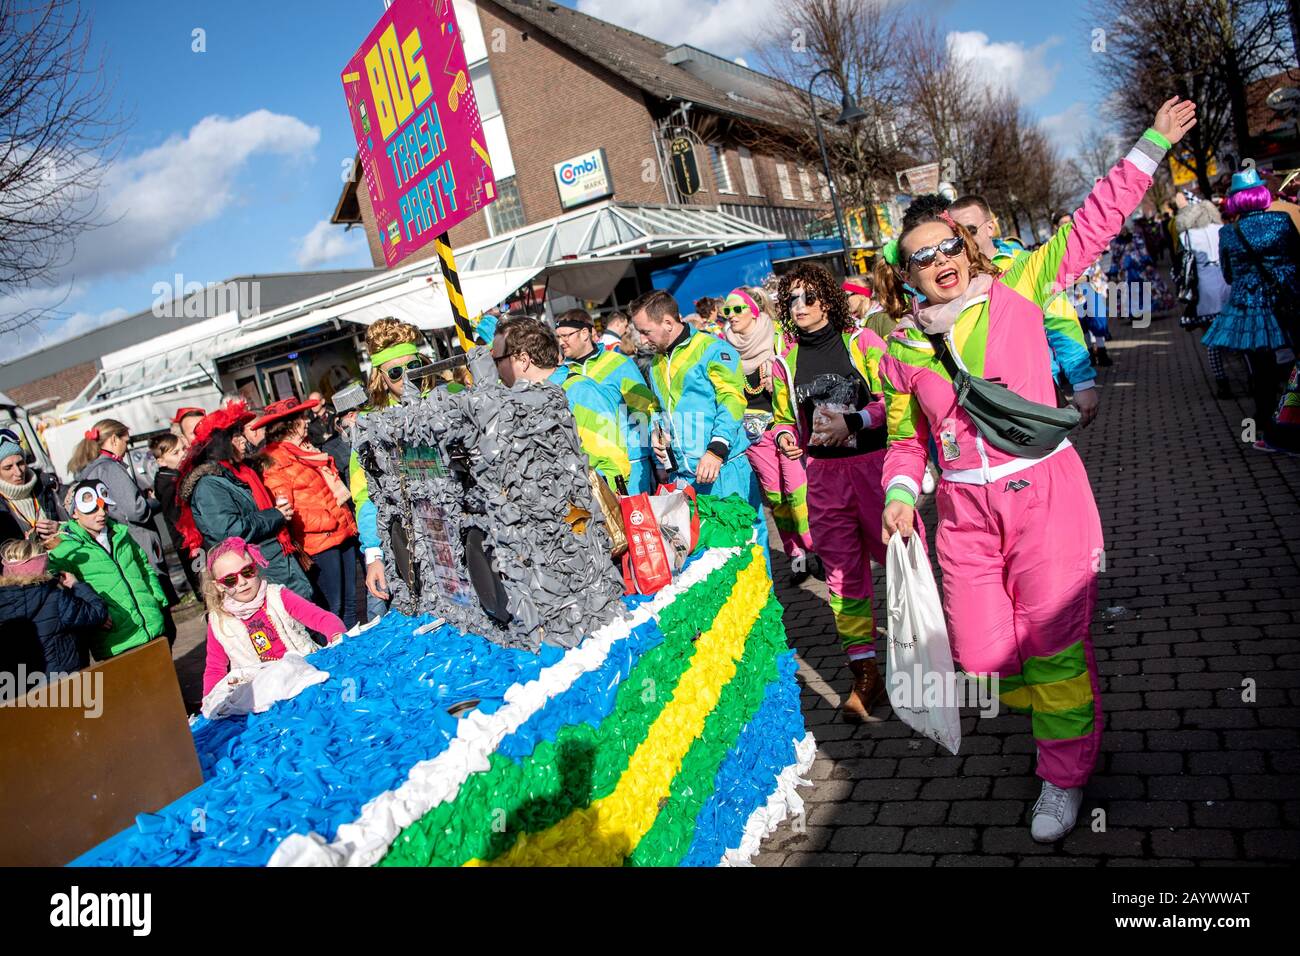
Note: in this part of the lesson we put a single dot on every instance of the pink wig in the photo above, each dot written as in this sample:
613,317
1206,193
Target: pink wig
238,546
1248,200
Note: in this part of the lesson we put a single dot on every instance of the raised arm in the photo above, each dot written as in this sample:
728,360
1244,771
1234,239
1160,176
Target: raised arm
1078,244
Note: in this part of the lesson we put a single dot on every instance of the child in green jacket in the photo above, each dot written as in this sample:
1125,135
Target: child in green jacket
102,553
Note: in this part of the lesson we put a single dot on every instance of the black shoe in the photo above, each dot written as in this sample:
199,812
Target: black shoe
1092,357
1223,389
1103,358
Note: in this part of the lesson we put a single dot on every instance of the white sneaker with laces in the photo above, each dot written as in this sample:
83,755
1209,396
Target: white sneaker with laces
1055,812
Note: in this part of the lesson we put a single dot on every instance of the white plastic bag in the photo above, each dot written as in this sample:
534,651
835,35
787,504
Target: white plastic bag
255,689
923,684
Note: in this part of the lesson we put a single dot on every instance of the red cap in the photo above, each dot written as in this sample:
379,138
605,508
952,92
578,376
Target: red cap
284,408
186,412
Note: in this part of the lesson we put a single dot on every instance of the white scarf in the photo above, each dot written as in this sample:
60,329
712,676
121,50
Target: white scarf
245,609
22,497
939,319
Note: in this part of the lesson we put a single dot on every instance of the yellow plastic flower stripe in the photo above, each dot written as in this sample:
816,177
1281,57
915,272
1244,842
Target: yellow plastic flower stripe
583,762
606,832
674,829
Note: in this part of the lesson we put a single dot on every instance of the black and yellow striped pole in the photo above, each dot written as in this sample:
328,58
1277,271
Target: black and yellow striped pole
459,314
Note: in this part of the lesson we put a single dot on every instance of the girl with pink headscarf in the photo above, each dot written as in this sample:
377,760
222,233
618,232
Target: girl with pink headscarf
251,621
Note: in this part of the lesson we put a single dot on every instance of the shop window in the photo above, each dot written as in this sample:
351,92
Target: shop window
507,212
783,177
748,172
485,91
721,175
805,185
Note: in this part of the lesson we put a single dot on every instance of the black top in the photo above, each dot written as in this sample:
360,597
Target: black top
164,489
757,398
822,355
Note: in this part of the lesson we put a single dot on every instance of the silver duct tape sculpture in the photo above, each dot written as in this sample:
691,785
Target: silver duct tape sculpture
503,467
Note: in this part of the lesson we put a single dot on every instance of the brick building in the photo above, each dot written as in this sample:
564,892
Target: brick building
553,84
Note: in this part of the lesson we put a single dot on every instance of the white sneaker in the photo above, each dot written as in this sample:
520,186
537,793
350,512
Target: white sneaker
1055,812
927,482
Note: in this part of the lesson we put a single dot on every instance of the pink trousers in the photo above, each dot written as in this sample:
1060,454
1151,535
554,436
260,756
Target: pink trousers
845,500
1020,559
785,489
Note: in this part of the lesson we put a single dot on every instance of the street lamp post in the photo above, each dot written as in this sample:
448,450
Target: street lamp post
849,113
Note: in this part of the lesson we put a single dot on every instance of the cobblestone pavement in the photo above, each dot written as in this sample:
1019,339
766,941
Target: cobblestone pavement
1201,592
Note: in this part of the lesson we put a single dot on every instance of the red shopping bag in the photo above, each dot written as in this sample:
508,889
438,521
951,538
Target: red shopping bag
662,530
645,563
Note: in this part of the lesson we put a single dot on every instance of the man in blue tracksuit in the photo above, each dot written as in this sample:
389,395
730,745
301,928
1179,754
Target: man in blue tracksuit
700,391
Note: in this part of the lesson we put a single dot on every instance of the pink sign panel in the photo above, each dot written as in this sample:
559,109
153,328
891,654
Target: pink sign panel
419,137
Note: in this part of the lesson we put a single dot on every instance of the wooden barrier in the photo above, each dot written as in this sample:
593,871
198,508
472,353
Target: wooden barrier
72,776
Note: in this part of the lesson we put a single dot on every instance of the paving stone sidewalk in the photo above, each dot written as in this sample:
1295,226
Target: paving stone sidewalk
1201,592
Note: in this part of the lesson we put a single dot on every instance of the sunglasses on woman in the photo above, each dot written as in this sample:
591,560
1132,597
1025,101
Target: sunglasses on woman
397,371
807,297
925,256
247,572
729,310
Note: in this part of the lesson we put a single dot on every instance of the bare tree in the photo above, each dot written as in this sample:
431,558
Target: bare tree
858,40
1205,50
58,134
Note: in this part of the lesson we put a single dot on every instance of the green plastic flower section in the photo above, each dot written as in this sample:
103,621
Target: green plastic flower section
725,522
582,764
670,837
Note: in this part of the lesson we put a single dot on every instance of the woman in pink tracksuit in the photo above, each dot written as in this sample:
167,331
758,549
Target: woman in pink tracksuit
1019,539
748,325
825,404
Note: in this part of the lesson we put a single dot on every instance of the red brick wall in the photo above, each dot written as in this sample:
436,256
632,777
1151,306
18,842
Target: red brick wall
64,386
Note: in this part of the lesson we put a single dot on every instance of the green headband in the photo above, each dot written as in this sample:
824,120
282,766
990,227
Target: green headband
890,252
392,352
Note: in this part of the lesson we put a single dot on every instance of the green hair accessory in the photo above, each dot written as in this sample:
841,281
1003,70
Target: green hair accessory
392,352
890,252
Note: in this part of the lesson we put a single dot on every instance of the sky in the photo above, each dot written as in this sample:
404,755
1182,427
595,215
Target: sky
238,138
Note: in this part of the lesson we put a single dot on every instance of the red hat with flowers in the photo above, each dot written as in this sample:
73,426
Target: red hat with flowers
234,414
185,412
284,408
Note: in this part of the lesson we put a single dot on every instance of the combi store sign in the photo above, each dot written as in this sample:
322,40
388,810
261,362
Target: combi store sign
583,179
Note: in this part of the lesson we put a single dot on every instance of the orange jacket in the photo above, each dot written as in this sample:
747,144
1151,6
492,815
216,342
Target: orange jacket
319,521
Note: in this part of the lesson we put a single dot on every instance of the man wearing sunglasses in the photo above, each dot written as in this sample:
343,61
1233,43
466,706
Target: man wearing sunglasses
700,390
1068,350
527,351
620,377
101,552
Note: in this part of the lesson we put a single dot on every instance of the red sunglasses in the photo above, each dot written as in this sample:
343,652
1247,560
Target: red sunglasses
247,572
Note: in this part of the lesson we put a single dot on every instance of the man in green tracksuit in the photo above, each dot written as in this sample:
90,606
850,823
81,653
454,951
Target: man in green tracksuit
619,376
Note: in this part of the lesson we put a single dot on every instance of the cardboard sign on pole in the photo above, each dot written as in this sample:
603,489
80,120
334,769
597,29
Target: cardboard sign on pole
421,144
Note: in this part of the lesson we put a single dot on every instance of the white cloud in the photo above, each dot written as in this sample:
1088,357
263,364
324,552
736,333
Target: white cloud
722,27
327,242
1027,71
51,331
153,199
1064,129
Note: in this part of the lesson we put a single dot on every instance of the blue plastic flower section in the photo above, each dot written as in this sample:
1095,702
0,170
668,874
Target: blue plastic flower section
589,700
311,763
747,775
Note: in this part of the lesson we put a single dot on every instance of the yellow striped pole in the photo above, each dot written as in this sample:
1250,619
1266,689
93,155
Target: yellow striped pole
459,314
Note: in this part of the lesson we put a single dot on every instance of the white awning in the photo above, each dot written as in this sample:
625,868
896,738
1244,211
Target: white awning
612,228
421,299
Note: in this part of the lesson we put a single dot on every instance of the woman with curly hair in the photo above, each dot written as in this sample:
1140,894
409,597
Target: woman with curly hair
393,352
1019,536
748,325
825,402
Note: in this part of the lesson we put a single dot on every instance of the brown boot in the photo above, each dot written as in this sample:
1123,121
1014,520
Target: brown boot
868,691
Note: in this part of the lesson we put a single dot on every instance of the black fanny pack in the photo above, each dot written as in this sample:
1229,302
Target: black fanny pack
1007,421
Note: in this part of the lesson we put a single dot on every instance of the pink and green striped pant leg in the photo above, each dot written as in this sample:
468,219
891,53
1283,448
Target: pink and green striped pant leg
785,489
1019,559
845,499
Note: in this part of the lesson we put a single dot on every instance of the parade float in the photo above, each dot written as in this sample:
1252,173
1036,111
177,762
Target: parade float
515,707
